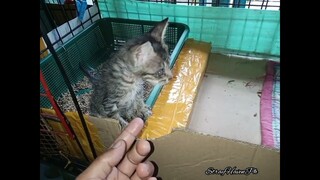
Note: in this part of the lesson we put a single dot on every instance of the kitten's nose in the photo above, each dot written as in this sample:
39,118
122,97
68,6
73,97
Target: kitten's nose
170,76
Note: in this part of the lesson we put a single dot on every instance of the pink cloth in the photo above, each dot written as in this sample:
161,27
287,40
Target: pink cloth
266,107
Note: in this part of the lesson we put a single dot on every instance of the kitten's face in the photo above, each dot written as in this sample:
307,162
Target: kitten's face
157,70
152,57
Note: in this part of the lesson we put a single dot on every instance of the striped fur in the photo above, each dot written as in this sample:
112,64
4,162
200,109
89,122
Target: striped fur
119,92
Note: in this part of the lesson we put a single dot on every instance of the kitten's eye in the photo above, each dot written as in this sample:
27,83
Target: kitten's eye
160,72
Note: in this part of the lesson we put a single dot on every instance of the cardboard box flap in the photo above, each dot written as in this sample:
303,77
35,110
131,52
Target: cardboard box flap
107,128
188,155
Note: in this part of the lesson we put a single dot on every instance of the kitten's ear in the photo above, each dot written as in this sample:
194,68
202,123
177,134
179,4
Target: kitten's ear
159,30
143,53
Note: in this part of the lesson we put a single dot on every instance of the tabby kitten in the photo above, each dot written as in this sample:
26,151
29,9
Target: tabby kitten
118,93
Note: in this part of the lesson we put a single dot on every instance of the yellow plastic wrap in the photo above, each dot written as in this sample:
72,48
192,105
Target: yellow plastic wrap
71,144
173,107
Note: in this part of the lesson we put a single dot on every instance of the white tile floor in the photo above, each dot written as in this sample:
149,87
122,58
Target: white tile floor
227,104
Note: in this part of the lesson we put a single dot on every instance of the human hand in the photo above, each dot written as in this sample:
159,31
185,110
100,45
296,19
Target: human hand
119,163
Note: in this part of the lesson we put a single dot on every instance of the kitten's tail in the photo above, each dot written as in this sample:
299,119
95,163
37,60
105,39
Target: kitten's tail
89,72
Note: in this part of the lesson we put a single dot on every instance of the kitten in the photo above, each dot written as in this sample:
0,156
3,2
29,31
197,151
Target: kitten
118,93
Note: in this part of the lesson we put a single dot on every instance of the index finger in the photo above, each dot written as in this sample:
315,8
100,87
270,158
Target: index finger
130,133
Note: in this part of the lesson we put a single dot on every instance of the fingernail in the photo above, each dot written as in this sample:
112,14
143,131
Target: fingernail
117,144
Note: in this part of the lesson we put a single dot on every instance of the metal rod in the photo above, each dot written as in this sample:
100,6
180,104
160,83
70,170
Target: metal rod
66,16
238,5
90,17
51,19
267,4
61,116
96,3
75,3
262,4
54,105
68,83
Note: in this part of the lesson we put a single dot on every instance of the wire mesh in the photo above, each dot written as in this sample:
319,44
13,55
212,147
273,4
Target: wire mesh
60,19
50,141
249,4
54,150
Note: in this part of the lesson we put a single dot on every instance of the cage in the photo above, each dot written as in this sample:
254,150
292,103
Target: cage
92,46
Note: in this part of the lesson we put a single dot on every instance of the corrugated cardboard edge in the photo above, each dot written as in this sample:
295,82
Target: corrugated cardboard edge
184,154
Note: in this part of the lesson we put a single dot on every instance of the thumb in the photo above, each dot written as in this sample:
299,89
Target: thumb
101,167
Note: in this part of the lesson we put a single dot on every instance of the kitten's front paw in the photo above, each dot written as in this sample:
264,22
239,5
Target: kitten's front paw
123,123
146,113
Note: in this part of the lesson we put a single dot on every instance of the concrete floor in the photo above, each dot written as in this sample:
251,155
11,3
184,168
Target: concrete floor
228,104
